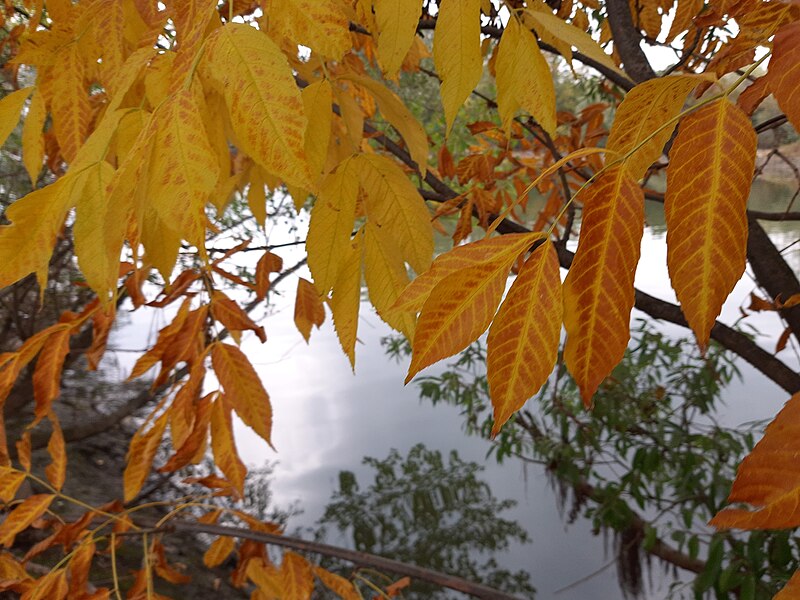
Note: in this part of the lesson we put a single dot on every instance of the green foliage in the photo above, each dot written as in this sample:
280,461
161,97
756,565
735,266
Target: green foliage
428,510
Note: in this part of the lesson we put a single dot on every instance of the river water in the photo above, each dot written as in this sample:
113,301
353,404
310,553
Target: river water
326,419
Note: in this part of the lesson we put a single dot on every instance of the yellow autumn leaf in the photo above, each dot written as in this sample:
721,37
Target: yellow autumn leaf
257,198
345,299
457,53
27,243
386,277
397,25
70,101
184,169
461,306
265,106
570,35
462,257
157,78
243,388
128,75
524,79
523,341
308,308
96,147
97,251
394,204
10,109
223,445
394,111
322,25
125,193
331,225
317,102
32,136
141,453
646,108
192,19
598,291
708,182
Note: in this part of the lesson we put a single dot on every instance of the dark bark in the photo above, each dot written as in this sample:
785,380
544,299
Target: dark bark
627,41
772,272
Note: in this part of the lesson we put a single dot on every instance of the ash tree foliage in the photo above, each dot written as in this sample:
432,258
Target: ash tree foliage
143,121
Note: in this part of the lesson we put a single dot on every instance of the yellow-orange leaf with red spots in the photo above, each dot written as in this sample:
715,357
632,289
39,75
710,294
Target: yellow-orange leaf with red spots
708,182
598,292
523,340
266,108
184,169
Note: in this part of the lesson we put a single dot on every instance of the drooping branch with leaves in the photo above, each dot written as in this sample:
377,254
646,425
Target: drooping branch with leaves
145,125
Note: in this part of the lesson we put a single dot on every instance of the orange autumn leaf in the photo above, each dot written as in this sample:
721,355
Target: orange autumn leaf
791,591
417,292
462,303
337,584
646,108
141,453
523,341
218,551
243,388
56,471
784,70
47,374
708,183
223,445
268,263
233,316
768,478
10,480
195,442
308,308
52,586
598,291
297,580
22,516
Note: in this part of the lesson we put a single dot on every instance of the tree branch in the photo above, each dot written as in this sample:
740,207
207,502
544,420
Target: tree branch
362,559
627,41
735,341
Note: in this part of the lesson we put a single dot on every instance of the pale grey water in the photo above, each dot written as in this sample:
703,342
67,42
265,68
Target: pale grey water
326,419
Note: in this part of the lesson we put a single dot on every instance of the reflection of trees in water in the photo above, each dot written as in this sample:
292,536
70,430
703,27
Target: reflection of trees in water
431,511
649,465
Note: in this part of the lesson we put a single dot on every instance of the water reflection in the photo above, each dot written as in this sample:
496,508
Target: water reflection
327,420
427,510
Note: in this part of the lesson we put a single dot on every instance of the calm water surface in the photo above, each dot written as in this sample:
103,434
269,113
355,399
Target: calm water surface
326,419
